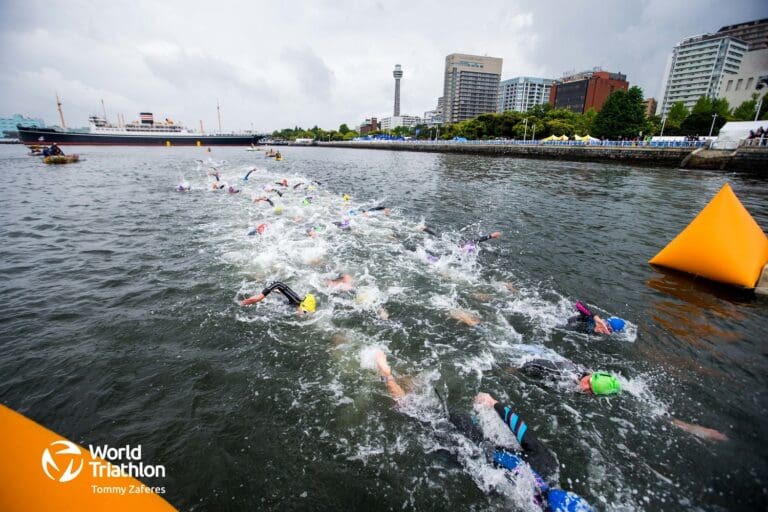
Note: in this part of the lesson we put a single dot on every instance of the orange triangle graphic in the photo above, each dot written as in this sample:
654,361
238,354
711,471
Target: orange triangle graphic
723,243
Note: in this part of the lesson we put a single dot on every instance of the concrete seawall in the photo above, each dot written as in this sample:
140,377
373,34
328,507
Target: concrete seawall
743,159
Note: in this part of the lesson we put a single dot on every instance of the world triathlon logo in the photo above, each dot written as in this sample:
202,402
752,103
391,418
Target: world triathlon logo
62,454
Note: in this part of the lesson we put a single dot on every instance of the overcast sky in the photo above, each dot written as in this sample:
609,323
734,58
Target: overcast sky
278,64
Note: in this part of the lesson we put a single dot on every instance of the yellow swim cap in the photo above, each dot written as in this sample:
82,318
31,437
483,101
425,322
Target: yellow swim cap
278,210
346,197
309,304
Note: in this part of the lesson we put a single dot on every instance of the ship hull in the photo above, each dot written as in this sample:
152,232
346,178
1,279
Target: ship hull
33,136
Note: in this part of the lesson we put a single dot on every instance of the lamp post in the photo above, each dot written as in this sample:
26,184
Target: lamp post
714,117
663,123
533,136
525,134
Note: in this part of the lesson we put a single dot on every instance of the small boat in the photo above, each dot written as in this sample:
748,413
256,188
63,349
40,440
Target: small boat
278,158
61,159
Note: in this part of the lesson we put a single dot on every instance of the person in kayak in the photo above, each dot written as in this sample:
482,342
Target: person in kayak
587,322
541,461
55,150
305,304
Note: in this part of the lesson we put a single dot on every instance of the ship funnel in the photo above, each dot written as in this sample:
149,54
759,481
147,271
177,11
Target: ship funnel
146,118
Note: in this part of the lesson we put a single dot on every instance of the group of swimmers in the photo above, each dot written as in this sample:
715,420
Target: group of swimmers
529,452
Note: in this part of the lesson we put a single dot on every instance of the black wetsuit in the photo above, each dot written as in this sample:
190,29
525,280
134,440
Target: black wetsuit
292,296
581,323
55,151
546,369
533,452
428,230
249,173
375,209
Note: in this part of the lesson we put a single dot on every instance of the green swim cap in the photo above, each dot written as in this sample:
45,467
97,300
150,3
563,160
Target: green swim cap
604,384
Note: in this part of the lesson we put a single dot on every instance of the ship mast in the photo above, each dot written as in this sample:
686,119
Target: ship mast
61,112
218,113
104,110
201,126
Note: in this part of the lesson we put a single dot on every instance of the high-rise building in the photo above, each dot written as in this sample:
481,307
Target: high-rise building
697,67
650,107
523,92
471,86
754,33
589,89
753,71
398,74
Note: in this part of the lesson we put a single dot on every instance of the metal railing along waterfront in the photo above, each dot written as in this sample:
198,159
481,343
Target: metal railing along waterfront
575,143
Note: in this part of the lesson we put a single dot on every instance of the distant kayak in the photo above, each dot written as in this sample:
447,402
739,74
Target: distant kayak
61,159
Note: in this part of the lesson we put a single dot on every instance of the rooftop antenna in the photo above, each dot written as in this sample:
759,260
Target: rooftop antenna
218,113
61,112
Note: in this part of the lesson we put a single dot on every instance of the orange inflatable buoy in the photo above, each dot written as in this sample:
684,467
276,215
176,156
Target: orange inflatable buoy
723,243
41,470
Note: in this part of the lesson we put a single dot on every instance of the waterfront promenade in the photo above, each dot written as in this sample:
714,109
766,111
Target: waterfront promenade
691,155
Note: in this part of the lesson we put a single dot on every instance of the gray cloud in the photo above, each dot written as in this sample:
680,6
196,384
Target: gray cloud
325,62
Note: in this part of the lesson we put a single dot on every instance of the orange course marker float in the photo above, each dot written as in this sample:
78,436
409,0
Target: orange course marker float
723,243
41,470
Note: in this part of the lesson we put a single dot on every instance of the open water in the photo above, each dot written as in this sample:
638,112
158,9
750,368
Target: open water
120,324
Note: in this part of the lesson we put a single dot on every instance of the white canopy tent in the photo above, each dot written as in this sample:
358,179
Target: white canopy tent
735,131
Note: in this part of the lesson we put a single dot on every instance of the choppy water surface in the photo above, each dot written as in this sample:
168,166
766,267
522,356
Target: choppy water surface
120,323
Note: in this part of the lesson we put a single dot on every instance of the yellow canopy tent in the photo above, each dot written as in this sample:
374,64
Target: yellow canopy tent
550,138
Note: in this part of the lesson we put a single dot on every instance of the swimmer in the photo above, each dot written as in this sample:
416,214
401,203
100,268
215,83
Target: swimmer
232,190
217,186
426,229
587,322
245,178
306,201
314,231
471,245
215,173
592,383
283,183
306,304
298,185
258,229
265,199
183,187
343,283
465,317
344,224
539,458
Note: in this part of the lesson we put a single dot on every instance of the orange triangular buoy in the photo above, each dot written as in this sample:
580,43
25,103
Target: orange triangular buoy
723,243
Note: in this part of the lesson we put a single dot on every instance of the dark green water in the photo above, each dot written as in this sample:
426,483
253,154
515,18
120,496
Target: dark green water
119,323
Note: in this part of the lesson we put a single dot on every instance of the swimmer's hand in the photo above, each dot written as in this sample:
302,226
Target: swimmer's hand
252,300
495,234
485,400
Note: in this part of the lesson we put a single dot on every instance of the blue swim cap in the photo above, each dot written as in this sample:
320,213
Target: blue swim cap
352,213
559,500
616,323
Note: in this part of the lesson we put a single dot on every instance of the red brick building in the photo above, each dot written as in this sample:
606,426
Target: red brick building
370,125
582,91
